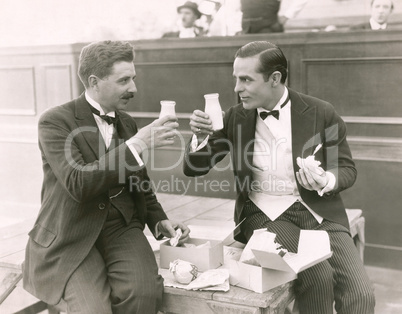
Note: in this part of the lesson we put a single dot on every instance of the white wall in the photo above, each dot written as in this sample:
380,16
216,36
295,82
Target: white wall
43,22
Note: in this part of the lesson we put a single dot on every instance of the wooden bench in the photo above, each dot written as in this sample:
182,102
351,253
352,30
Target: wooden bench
194,210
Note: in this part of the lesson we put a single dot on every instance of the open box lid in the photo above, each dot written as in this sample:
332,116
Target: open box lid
314,247
224,234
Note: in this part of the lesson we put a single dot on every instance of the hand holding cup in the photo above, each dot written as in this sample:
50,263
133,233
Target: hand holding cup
160,132
201,124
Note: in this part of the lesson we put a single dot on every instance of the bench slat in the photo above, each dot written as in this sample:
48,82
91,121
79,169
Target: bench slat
175,303
206,295
239,295
8,281
223,307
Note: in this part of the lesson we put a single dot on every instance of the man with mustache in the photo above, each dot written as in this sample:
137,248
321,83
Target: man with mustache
87,247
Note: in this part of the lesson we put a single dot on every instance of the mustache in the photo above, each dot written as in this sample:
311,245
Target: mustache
127,95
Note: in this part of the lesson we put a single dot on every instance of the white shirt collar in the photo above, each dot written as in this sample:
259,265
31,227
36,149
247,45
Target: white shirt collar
94,104
377,26
278,105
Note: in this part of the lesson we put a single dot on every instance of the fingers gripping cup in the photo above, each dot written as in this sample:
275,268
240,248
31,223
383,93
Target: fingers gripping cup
167,108
214,110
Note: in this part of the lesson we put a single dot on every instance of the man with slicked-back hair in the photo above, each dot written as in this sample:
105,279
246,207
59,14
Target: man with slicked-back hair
268,136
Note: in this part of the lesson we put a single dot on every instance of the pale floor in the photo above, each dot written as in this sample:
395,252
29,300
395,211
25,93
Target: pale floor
387,282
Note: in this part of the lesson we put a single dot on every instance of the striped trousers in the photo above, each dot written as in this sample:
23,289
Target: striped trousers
341,279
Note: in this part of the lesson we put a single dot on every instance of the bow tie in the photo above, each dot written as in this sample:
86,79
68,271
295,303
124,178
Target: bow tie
104,117
274,113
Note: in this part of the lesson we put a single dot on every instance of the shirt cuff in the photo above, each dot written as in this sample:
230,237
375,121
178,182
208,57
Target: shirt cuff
134,152
194,144
330,185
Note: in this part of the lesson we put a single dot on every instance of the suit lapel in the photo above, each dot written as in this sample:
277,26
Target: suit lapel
88,127
124,128
304,134
303,121
245,123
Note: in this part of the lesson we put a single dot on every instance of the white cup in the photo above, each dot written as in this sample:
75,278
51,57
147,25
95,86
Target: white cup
214,110
167,108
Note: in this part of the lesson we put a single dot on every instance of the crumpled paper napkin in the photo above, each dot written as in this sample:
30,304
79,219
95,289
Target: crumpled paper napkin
213,279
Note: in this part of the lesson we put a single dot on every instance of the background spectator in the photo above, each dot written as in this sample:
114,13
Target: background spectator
189,14
220,18
261,16
380,12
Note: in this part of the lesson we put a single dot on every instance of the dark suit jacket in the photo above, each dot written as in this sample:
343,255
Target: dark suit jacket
313,121
78,173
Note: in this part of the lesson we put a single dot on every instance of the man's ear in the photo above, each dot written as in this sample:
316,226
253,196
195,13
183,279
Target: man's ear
276,78
93,81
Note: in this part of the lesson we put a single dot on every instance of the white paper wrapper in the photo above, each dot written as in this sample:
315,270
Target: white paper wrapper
175,240
309,163
213,280
183,272
261,240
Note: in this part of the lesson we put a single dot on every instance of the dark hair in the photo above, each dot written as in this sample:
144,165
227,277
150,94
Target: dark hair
271,58
98,58
392,4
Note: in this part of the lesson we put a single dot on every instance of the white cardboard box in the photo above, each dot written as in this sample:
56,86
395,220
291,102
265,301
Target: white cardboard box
313,248
203,258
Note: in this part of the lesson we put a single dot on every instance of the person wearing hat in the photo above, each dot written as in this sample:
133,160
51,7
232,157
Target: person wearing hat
189,13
